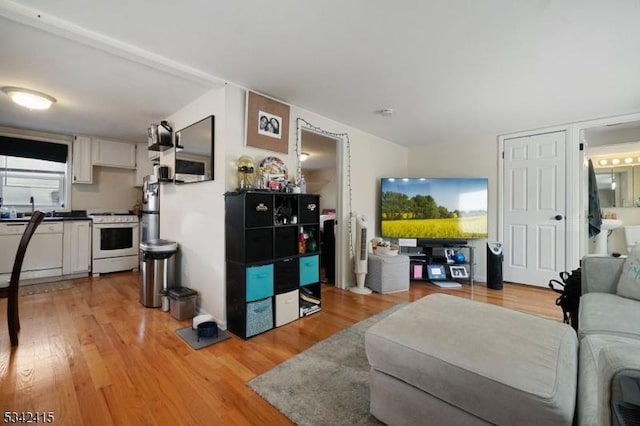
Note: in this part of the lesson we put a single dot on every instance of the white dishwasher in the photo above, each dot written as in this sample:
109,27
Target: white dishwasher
44,253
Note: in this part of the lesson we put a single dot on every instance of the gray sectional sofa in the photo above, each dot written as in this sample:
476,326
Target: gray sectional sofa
609,335
445,359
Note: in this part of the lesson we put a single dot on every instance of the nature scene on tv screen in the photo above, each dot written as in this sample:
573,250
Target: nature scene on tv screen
454,208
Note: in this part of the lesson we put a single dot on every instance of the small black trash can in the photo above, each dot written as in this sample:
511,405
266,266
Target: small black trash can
183,302
494,265
158,271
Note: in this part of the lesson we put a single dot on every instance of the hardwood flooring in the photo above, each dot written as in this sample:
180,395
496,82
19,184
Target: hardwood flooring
92,355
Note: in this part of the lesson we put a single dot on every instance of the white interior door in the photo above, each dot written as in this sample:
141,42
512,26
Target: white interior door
534,208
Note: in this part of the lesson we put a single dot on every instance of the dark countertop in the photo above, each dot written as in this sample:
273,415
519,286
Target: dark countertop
57,217
46,219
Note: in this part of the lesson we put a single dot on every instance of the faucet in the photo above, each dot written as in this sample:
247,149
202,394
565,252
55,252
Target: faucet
32,205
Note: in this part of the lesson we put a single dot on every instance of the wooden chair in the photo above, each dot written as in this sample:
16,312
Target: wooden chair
11,291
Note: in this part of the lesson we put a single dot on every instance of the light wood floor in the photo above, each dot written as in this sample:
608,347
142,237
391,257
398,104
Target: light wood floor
93,355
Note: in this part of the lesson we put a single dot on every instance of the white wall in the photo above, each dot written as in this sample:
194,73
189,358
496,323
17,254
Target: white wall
471,159
193,215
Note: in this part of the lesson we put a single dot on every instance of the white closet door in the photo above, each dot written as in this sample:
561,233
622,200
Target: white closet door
534,216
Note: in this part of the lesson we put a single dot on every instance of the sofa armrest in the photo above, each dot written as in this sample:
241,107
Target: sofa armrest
600,274
615,362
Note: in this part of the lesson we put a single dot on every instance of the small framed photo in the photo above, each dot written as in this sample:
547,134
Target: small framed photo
459,271
449,253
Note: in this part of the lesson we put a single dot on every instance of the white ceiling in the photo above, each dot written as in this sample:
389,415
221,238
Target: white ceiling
451,70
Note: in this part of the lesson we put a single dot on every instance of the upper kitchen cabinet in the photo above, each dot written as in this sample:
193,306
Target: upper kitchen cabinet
113,154
82,162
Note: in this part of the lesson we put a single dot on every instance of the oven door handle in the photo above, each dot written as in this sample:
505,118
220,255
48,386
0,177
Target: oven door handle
115,225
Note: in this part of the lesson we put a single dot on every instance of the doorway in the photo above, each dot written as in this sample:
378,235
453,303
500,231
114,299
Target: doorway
319,166
613,145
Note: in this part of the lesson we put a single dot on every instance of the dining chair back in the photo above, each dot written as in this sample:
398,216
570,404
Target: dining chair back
10,292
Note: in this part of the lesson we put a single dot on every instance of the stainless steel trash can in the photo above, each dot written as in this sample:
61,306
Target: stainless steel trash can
158,271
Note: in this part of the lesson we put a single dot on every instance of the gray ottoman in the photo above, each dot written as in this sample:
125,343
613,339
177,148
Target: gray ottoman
388,274
448,360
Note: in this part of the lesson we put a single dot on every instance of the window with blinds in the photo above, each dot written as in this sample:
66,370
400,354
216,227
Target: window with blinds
35,169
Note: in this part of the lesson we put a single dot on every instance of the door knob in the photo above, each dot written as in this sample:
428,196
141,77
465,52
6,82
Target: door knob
558,217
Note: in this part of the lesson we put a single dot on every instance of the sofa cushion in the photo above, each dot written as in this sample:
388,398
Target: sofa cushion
604,313
629,281
603,360
502,366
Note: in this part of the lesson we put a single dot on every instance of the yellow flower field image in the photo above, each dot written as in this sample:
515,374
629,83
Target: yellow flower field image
433,208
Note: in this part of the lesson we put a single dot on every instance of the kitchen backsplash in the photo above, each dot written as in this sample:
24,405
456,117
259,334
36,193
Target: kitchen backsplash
111,189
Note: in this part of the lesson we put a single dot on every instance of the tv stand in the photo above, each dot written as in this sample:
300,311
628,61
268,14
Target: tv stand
418,261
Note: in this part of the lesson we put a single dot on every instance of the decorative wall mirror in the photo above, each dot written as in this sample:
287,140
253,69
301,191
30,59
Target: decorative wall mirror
194,152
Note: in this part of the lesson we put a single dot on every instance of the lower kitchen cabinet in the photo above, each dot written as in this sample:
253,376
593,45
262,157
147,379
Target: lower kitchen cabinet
273,263
76,247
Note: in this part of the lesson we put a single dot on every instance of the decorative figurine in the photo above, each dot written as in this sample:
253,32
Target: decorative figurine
245,170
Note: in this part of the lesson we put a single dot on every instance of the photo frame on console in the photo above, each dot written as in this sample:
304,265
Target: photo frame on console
267,123
458,271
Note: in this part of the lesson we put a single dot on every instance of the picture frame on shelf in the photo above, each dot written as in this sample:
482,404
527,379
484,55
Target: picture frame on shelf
458,271
274,181
267,123
448,254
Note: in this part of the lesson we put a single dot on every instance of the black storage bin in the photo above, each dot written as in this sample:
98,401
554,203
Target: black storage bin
286,275
309,209
258,245
258,210
286,241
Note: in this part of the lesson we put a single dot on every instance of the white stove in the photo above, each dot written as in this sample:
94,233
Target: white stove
115,241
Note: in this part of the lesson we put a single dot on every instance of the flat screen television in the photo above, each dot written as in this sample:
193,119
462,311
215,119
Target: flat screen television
439,209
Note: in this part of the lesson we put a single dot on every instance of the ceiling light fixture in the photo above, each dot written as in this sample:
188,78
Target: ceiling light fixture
29,98
304,156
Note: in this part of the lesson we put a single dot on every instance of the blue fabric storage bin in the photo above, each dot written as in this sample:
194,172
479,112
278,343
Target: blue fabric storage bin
259,316
309,269
259,282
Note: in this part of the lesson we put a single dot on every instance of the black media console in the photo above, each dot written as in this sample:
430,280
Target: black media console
435,253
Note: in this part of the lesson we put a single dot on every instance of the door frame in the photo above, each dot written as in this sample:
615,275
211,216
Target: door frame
343,207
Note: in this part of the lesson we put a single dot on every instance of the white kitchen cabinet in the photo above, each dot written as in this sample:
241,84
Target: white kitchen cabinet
82,161
144,165
76,247
113,153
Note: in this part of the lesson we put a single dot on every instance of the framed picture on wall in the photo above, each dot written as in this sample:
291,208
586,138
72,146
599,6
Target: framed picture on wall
267,123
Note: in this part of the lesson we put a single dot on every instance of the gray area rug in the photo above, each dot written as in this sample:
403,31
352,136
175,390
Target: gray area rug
328,384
